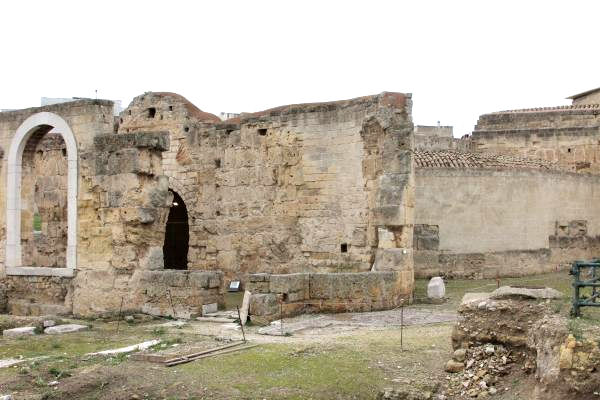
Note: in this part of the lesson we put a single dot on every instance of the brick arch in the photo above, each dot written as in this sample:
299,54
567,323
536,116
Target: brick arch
13,188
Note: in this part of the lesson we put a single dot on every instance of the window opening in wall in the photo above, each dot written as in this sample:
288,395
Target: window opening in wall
568,150
218,163
177,235
37,223
262,131
170,108
151,112
344,247
44,169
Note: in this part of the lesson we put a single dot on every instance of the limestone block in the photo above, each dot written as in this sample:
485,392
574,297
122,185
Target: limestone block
295,296
66,328
436,289
288,283
505,292
259,277
258,287
245,307
394,259
22,331
209,308
387,239
264,304
215,281
320,287
153,260
199,279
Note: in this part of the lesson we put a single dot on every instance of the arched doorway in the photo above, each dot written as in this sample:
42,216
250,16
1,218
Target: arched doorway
177,235
38,124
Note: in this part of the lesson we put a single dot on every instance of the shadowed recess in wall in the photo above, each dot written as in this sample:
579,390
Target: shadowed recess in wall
177,235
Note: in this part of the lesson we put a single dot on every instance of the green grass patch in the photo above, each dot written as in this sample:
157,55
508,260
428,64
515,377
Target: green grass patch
277,371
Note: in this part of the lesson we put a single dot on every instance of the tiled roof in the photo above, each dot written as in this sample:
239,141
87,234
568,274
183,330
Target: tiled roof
457,159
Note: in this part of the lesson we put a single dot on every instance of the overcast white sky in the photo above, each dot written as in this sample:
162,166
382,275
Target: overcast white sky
460,59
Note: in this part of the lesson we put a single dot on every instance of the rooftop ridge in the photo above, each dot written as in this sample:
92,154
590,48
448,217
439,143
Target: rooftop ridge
583,107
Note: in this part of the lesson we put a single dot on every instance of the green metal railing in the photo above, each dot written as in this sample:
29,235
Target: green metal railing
586,274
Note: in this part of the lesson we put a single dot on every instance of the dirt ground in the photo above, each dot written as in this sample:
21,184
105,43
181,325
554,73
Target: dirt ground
342,356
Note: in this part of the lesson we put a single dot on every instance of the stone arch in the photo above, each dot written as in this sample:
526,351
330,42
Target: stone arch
13,189
178,187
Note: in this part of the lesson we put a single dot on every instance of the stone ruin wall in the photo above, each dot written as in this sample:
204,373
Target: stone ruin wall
280,296
293,189
44,294
491,218
320,187
122,205
568,135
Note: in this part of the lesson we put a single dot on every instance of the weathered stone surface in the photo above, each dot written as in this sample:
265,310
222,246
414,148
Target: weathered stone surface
23,331
341,292
506,292
454,366
293,189
65,328
404,394
245,308
209,308
264,304
436,289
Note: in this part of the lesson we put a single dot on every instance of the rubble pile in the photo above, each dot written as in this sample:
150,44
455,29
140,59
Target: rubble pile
478,371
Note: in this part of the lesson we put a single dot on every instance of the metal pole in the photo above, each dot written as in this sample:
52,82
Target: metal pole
171,301
281,316
242,325
119,319
402,326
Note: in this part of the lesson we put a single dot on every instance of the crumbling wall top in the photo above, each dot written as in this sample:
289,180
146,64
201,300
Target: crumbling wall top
386,99
59,108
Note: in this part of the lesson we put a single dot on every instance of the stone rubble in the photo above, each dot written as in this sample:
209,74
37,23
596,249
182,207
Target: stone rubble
22,331
66,328
482,372
436,289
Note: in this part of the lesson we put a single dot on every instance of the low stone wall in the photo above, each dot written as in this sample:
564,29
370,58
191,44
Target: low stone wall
274,296
179,294
35,295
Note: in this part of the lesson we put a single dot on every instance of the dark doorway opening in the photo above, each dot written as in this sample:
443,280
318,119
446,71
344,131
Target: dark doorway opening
177,235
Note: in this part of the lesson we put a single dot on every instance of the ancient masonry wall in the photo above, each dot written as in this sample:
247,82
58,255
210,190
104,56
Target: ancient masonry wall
122,203
277,296
303,188
325,187
568,135
503,221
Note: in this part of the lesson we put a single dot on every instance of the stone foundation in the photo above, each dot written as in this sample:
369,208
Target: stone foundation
276,296
179,294
36,295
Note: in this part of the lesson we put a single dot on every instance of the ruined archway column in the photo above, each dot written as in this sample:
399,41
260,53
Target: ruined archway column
13,189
